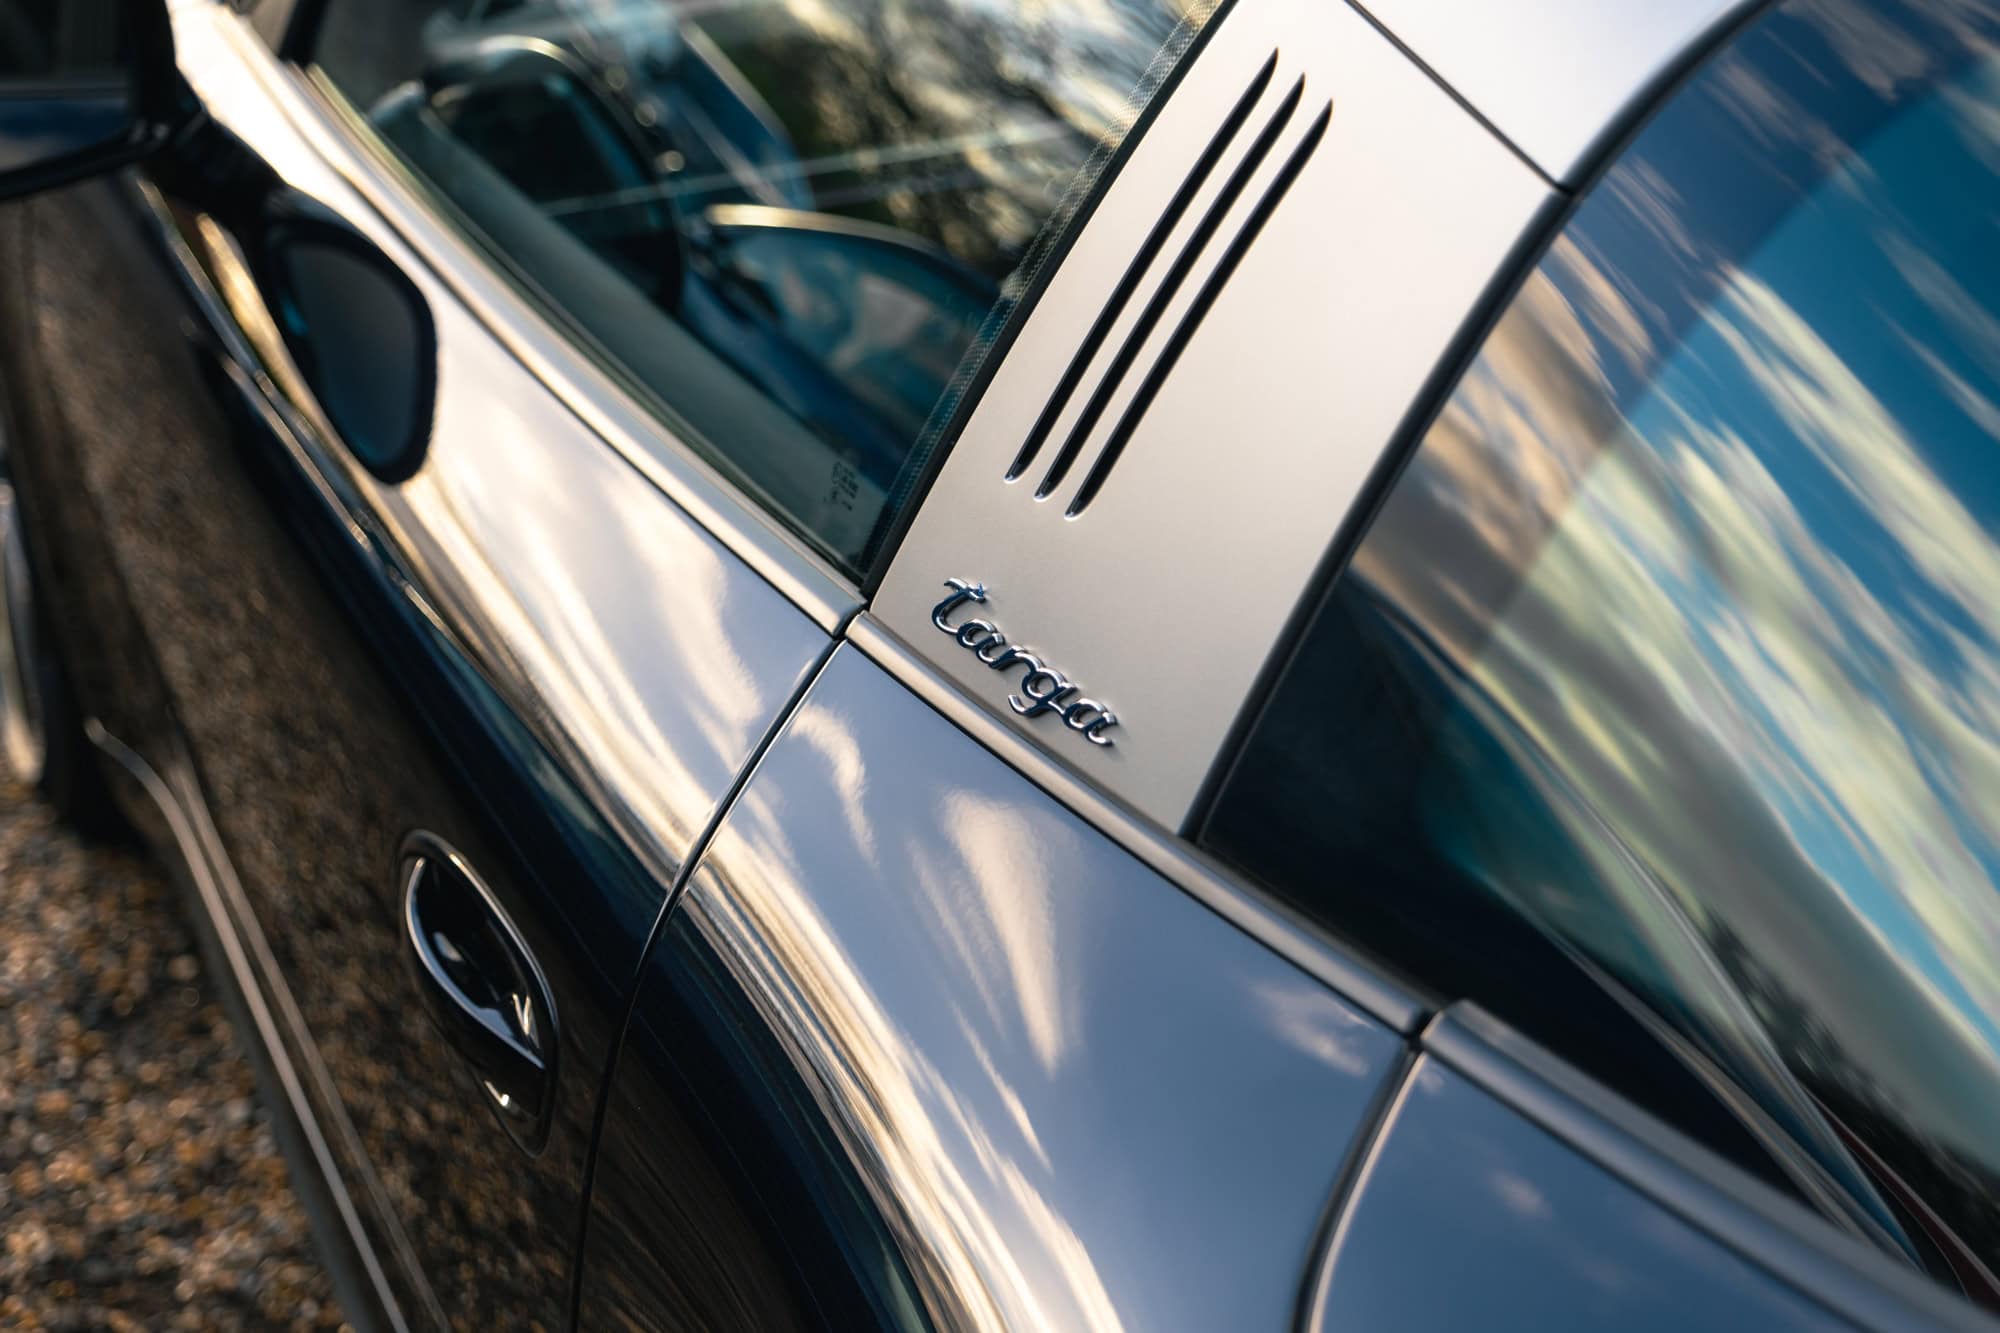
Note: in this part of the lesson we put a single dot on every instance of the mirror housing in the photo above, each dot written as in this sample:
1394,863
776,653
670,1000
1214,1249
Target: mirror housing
86,86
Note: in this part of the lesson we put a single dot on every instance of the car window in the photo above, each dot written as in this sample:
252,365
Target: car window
795,225
1659,705
59,38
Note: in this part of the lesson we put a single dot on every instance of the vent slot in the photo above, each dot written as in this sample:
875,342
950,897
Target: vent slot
1149,250
1149,388
1156,307
1219,147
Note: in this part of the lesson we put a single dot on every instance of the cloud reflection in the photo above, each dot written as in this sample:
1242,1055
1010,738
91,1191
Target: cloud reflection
1705,548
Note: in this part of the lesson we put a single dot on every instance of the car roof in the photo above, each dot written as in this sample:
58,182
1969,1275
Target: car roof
1558,79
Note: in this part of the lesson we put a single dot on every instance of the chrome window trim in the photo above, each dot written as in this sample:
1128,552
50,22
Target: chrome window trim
551,353
1785,1238
1291,936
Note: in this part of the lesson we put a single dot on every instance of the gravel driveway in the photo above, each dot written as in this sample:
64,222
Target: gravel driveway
140,1186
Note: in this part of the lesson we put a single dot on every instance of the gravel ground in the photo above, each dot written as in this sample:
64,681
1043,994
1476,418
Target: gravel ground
140,1186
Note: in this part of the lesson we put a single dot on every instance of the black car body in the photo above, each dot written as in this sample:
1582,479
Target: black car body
722,807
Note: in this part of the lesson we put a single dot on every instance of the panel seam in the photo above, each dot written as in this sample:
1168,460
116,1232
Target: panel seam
1359,1159
1456,96
697,850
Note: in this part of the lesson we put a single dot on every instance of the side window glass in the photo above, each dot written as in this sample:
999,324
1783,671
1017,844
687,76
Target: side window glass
1659,706
796,227
59,38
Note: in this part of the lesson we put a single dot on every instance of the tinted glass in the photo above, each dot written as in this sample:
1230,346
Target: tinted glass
66,73
795,224
61,39
1659,707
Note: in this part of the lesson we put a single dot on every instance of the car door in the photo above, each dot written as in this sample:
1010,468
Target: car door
425,666
951,1028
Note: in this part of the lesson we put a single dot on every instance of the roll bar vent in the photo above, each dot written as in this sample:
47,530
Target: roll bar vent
1243,163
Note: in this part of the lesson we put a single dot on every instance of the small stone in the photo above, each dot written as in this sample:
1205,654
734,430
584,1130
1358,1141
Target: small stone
140,1188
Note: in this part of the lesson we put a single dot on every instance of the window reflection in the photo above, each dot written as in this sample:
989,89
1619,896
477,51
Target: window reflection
1676,652
825,200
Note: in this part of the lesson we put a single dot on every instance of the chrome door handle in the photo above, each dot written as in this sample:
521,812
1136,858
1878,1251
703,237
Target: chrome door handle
481,985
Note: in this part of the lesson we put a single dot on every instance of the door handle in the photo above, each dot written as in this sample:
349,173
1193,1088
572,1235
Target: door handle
481,986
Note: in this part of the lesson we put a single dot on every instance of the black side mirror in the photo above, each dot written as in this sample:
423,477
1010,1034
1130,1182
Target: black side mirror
359,332
85,86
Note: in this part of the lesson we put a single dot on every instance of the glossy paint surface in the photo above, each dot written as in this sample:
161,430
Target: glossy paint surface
919,1047
523,649
641,649
1513,1230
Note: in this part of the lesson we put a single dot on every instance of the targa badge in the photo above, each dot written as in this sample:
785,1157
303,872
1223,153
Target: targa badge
1043,688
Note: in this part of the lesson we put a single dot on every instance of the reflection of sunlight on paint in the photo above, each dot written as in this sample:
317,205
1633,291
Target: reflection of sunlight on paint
928,983
1298,1010
625,619
922,1128
1017,1110
1010,859
828,734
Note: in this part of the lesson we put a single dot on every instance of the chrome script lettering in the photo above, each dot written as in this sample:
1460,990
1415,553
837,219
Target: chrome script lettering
1043,689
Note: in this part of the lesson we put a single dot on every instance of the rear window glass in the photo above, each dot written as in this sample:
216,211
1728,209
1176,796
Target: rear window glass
1659,707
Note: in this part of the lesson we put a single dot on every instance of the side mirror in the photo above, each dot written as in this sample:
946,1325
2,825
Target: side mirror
86,86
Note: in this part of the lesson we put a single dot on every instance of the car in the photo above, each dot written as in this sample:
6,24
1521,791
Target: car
712,136
928,665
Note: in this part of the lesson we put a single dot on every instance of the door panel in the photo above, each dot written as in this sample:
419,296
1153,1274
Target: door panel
920,1046
520,649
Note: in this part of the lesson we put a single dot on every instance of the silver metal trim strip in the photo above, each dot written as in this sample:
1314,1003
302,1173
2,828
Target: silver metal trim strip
590,391
1284,932
1853,1280
1560,81
262,986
